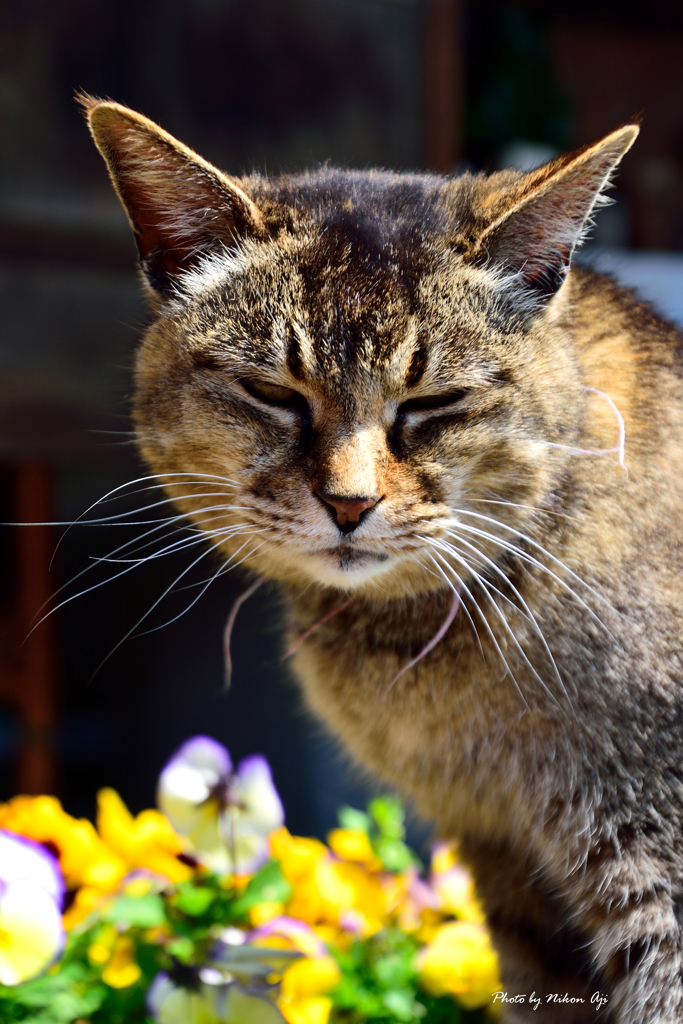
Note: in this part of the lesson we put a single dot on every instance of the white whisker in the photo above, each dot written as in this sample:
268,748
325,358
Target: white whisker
441,575
172,548
226,567
487,626
529,614
483,583
529,558
149,611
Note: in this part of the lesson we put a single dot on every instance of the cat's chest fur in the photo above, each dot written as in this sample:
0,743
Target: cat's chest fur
524,739
478,744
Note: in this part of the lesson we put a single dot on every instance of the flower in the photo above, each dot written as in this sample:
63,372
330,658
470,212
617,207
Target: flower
304,984
297,855
226,815
24,858
296,935
147,841
122,969
412,900
454,886
327,890
460,961
83,857
31,890
354,845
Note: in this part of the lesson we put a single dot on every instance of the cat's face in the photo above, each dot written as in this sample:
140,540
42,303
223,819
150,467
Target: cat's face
349,379
307,381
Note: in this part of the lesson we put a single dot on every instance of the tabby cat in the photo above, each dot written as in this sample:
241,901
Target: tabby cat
390,393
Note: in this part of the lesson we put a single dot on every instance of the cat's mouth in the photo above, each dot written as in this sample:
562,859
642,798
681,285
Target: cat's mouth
354,558
344,565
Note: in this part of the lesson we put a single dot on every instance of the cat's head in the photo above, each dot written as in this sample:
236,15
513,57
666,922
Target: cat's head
343,364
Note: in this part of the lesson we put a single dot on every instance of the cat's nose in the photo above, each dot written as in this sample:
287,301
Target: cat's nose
348,512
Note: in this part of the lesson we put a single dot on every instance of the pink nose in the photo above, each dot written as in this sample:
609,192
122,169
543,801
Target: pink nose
348,510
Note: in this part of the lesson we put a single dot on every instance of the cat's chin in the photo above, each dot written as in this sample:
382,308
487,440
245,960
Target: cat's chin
346,567
350,569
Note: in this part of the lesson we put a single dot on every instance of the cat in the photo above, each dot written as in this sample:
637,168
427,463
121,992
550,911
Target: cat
459,455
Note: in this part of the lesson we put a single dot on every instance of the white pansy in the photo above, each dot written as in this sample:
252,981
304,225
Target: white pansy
31,890
225,815
24,858
31,931
258,806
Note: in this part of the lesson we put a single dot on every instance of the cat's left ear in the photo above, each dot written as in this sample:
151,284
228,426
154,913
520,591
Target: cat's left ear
179,205
533,227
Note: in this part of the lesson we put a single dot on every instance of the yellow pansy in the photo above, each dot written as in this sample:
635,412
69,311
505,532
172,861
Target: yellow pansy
122,970
147,841
454,886
444,857
330,934
297,856
86,901
139,885
460,961
354,845
264,912
302,994
312,976
83,857
430,922
290,933
351,896
305,903
339,893
456,894
312,1010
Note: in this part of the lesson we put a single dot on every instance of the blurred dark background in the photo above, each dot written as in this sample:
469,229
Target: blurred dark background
280,85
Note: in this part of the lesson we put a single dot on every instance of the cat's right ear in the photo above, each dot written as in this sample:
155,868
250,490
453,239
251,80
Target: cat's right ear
532,226
179,205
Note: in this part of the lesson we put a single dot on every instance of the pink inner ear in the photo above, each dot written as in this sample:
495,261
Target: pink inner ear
539,233
175,211
179,205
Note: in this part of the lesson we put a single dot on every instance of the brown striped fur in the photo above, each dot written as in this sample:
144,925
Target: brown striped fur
419,341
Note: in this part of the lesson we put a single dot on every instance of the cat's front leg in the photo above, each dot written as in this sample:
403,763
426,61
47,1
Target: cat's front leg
640,951
548,975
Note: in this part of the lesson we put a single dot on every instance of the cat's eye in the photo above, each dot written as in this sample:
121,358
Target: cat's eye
440,400
274,394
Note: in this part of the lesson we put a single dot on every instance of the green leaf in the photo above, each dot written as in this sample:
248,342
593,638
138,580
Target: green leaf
269,885
402,1004
138,911
72,993
355,821
193,900
351,994
395,970
182,949
387,813
444,1010
394,854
